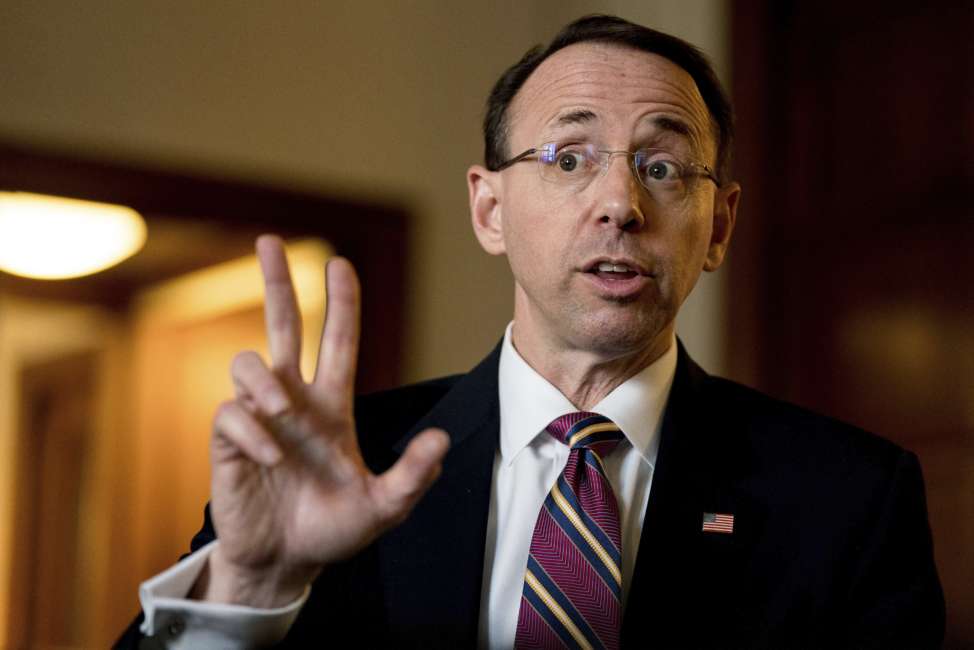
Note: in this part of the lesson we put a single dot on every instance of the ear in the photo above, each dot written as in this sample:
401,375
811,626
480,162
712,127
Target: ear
725,214
485,190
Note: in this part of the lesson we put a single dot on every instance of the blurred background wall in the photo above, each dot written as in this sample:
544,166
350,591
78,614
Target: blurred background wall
364,102
376,106
381,100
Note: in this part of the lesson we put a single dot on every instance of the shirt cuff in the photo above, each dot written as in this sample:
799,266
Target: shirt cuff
182,623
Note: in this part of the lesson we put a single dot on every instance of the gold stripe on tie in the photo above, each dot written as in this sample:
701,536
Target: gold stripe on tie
585,532
589,430
598,459
557,610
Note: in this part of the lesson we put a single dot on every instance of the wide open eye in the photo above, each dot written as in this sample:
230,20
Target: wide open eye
661,170
658,169
571,165
569,160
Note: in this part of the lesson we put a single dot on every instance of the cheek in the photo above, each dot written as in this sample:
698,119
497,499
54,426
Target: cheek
683,250
527,261
530,236
691,230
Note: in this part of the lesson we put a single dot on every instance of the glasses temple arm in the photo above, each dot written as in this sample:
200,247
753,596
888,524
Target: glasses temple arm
518,158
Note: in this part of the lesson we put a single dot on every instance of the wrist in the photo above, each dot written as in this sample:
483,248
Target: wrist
270,587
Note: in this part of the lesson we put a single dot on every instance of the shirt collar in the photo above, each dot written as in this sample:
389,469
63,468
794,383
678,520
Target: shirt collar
529,402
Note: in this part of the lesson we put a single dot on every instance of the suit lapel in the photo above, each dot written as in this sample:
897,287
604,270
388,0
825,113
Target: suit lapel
679,567
435,559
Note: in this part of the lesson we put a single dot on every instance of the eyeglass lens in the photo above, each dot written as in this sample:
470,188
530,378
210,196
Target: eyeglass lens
574,167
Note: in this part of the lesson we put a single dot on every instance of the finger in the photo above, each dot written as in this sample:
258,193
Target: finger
257,384
401,486
234,425
245,399
338,355
281,313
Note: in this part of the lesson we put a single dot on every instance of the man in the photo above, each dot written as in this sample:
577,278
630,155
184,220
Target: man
716,517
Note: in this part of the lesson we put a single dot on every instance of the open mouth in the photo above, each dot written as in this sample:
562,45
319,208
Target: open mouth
612,271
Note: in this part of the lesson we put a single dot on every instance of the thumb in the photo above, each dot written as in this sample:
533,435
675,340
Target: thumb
400,487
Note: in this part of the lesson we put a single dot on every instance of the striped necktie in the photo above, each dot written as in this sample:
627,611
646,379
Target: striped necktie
572,593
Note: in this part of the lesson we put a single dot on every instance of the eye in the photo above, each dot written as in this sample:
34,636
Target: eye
568,161
659,170
657,167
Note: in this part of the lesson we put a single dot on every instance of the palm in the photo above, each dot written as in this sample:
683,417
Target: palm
316,502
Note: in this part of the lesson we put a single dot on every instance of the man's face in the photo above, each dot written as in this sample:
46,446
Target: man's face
619,99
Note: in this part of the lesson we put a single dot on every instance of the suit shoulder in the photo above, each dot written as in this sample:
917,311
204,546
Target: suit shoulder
792,431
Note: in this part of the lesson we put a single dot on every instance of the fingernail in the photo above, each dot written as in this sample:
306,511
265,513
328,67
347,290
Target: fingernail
270,453
441,445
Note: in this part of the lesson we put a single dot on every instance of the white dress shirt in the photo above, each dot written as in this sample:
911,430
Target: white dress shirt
527,463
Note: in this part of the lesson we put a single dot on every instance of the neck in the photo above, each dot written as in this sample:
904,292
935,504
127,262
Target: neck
585,377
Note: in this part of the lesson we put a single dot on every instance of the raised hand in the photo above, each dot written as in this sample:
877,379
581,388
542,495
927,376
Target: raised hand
290,491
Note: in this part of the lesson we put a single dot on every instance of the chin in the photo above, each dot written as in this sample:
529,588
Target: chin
612,337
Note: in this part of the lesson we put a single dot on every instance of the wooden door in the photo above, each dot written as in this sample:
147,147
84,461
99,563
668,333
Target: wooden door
55,436
850,275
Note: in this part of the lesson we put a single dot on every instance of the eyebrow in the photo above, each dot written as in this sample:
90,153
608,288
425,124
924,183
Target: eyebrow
662,122
580,116
673,125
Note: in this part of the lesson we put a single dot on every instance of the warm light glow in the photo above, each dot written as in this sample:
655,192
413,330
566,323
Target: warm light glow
235,287
53,238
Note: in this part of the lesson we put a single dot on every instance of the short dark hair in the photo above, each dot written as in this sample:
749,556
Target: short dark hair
610,29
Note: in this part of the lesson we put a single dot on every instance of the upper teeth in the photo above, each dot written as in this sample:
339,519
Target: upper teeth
615,268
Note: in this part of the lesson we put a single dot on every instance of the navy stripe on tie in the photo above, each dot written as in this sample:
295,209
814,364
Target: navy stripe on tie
591,524
582,544
597,437
563,602
546,614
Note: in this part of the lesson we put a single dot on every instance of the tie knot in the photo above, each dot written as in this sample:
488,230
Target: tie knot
583,430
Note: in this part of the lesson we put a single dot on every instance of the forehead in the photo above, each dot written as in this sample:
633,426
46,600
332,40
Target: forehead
615,91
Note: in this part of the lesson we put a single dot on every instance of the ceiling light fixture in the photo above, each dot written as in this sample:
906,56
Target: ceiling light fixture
54,238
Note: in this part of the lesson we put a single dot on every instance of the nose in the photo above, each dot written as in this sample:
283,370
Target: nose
619,193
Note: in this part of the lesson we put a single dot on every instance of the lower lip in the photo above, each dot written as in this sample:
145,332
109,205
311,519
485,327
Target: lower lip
617,285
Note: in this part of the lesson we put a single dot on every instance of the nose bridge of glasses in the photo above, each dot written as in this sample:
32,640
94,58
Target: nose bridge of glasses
605,157
605,160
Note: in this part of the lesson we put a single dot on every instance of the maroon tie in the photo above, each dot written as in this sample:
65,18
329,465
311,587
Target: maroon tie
572,596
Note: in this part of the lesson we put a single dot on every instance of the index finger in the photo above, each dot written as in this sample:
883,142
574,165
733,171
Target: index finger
281,315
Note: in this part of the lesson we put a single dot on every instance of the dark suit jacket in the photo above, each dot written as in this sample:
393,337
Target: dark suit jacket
831,545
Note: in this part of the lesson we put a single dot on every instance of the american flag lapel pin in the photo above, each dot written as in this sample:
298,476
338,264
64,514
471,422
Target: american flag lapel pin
718,522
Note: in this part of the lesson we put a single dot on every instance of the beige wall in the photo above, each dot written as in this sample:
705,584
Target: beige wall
306,93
